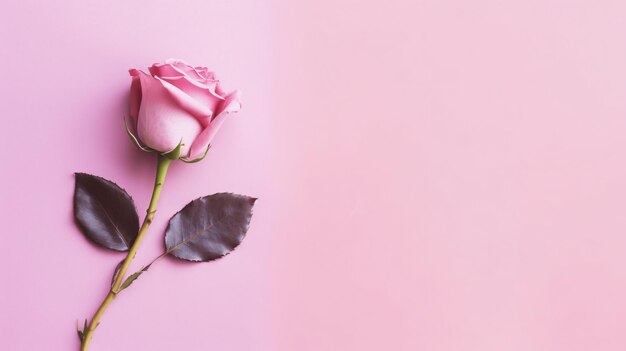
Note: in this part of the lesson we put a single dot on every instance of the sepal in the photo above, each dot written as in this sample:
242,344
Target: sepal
186,160
174,154
134,138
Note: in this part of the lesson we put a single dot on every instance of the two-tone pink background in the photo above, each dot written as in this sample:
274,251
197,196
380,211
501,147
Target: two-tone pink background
433,175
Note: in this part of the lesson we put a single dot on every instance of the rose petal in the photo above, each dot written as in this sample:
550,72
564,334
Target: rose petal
230,105
194,107
171,72
203,71
175,68
189,71
219,90
162,123
165,70
135,95
204,94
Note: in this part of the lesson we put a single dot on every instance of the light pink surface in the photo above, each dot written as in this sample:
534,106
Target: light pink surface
433,175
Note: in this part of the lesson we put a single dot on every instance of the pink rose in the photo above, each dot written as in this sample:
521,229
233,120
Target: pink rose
178,103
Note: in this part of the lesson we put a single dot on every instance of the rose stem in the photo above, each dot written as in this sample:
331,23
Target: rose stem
162,166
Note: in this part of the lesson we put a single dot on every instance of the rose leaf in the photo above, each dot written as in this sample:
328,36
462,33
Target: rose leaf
209,227
104,212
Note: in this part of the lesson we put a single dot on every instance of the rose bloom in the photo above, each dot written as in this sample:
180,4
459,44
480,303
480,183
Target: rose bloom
178,103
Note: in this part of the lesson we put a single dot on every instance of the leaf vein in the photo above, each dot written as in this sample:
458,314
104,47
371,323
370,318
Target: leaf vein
113,223
191,237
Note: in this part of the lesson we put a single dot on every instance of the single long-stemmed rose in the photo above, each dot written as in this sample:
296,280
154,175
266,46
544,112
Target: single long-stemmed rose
175,111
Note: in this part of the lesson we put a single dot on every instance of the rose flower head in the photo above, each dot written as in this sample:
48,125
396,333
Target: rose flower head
177,109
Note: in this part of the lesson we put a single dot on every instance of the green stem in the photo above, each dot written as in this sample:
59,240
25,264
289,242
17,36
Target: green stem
162,166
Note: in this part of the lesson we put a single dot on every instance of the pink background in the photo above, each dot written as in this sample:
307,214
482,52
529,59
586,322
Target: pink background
433,175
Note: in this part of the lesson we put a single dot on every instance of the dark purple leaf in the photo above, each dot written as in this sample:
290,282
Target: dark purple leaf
105,213
209,227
